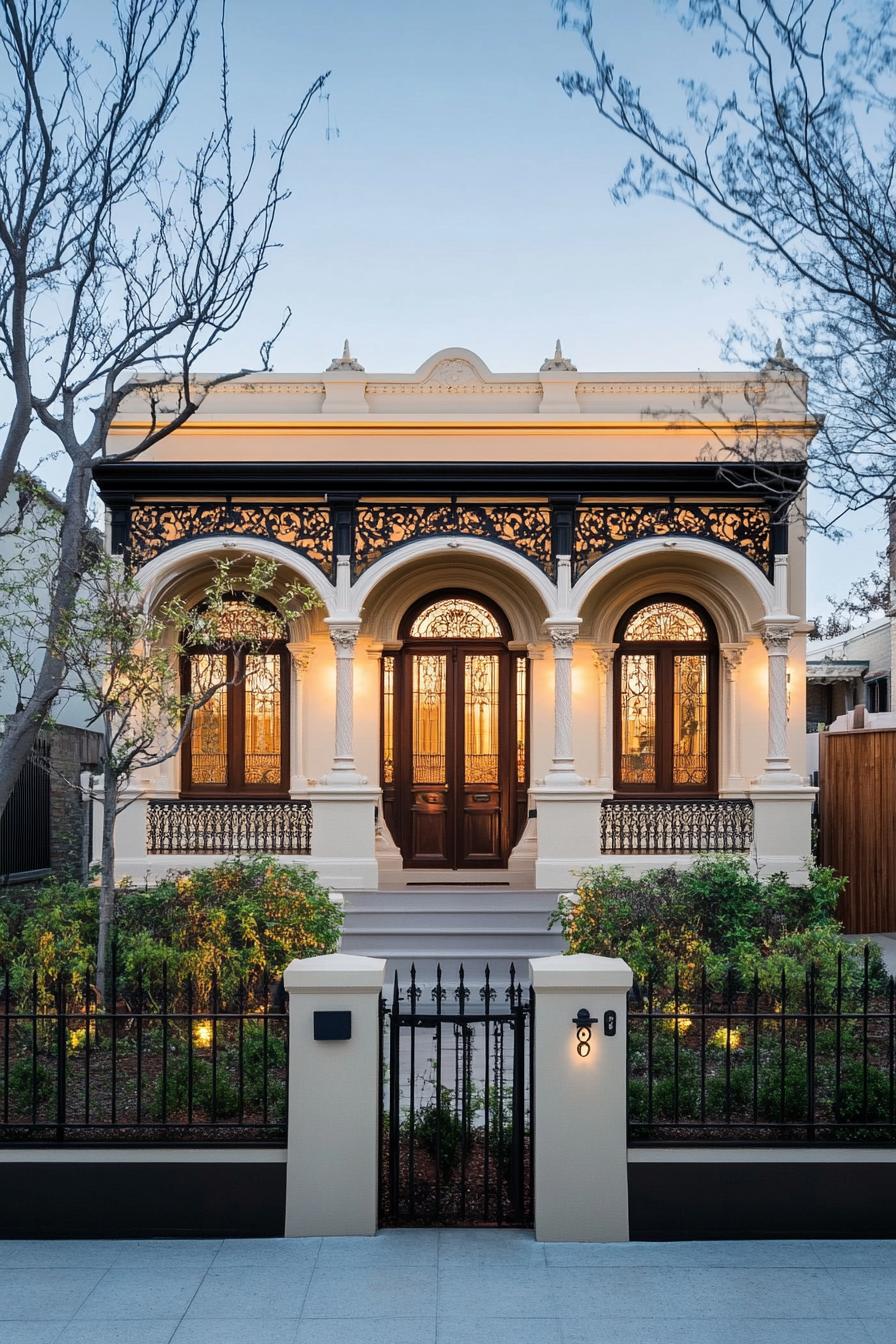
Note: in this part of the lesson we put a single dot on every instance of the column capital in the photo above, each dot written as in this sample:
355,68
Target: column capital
343,633
732,657
603,655
563,632
776,632
301,655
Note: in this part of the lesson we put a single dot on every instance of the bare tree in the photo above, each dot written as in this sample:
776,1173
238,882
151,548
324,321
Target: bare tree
794,157
118,256
124,662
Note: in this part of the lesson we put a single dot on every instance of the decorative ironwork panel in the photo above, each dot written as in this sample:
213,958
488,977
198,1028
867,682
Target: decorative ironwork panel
697,826
187,826
743,527
303,527
381,527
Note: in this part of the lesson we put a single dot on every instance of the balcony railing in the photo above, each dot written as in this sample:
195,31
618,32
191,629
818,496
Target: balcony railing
667,826
188,826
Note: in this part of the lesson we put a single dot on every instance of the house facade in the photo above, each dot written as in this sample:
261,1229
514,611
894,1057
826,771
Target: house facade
561,620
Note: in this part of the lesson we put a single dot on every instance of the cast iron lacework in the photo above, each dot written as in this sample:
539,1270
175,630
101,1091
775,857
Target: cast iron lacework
304,527
524,527
185,826
707,825
743,527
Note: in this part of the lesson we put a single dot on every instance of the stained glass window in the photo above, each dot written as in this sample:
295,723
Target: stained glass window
428,718
208,731
456,618
522,716
665,621
388,719
262,757
242,620
638,719
665,700
481,718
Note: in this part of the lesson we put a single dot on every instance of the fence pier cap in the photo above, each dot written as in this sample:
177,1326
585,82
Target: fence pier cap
337,971
580,969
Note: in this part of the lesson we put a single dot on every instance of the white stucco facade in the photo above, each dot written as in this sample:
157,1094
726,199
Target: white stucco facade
557,442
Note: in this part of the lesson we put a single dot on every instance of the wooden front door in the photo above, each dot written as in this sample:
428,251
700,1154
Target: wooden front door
451,758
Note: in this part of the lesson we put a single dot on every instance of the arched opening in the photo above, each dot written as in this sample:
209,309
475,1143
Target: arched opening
666,700
455,734
238,739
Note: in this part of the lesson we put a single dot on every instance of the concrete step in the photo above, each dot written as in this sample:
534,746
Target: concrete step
412,922
449,900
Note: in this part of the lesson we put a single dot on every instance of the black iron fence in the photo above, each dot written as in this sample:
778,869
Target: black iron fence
458,1118
157,1062
666,826
808,1059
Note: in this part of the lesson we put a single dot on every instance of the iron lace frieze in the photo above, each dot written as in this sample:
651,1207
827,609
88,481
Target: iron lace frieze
523,527
742,527
303,527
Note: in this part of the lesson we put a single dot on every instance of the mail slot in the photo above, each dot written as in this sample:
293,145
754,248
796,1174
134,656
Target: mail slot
482,797
333,1026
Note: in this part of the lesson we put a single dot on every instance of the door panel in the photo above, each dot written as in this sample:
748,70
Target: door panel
454,791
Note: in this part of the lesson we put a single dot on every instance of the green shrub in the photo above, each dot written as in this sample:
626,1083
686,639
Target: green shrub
438,1131
27,1085
714,915
206,1085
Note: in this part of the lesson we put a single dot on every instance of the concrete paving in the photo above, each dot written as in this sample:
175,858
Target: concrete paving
446,1287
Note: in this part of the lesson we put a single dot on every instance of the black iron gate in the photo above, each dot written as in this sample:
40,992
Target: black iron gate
458,1103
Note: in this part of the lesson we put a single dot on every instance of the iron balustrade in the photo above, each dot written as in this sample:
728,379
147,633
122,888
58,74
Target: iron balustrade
672,826
156,1063
458,1138
237,826
811,1059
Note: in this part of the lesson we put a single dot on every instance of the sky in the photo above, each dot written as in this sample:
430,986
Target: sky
465,200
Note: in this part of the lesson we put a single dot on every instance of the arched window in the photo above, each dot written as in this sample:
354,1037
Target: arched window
238,739
666,699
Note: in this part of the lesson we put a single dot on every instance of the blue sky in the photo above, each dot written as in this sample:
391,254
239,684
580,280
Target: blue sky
466,200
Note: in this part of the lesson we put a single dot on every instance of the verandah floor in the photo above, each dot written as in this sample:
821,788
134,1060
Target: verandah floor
446,1287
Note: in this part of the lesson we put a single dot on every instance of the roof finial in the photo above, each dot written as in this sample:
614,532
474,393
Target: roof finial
559,363
779,361
346,362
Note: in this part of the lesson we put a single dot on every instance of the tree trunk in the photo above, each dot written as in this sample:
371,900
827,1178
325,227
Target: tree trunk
107,878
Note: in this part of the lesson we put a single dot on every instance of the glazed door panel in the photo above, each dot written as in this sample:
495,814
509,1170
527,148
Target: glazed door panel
453,803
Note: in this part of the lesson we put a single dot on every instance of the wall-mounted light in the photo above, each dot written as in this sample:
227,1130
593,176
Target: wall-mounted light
583,1022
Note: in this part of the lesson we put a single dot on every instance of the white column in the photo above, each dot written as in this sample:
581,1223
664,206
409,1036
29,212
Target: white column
335,1101
344,633
603,661
732,655
563,633
581,1139
776,638
301,657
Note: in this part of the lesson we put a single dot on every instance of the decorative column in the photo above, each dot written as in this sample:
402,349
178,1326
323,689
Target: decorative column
344,633
603,661
776,638
301,657
732,655
563,635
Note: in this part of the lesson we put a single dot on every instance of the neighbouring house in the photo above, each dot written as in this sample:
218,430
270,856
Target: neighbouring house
45,826
561,621
848,671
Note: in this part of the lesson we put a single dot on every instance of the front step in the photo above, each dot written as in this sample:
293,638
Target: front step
449,927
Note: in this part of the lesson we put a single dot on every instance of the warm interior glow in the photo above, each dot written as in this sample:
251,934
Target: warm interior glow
638,763
456,618
481,718
262,763
428,717
208,735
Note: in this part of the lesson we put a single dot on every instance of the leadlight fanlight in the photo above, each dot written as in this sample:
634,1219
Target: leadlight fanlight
455,618
666,699
238,739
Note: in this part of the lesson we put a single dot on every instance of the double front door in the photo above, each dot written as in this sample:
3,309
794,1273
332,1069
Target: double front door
454,717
